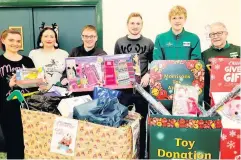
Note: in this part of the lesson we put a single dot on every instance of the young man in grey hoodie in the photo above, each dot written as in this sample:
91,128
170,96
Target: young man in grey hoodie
134,42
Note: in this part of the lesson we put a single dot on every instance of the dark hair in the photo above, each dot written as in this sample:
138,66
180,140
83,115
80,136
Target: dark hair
4,34
41,34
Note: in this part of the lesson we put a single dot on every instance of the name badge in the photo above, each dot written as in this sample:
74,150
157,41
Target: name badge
186,44
234,54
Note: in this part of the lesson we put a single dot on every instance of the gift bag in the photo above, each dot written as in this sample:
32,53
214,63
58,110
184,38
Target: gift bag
44,102
179,137
107,112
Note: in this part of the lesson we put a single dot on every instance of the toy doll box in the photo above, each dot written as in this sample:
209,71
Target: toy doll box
115,72
84,73
30,77
164,74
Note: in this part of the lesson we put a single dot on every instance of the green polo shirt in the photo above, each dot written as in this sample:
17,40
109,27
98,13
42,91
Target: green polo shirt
228,51
184,46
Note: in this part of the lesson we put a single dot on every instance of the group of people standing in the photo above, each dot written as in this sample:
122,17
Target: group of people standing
175,44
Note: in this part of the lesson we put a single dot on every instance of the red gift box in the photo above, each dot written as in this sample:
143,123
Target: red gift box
230,144
225,74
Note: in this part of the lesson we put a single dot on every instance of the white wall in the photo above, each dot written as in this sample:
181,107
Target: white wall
200,13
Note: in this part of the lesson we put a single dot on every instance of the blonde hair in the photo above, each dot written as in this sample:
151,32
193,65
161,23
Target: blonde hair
177,10
4,34
90,28
134,14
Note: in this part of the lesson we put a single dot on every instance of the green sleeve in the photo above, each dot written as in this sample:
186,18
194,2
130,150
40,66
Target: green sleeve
157,52
196,52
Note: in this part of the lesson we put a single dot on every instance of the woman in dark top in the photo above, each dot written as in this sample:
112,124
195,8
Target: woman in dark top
10,115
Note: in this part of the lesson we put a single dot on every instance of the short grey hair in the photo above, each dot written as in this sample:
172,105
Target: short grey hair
218,24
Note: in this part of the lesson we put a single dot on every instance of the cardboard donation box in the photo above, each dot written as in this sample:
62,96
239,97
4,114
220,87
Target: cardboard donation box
48,136
177,137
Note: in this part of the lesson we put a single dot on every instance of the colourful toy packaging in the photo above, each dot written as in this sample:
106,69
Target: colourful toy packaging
115,72
185,101
30,77
164,74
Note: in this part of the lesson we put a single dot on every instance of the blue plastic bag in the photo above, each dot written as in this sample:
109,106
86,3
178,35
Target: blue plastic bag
104,111
100,92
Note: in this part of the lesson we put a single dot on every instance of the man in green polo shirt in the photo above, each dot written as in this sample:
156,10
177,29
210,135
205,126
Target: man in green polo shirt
220,49
177,44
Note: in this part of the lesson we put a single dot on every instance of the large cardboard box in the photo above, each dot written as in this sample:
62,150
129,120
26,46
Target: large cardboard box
93,141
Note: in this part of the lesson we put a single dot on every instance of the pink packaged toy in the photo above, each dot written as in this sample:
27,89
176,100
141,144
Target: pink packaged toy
114,72
185,101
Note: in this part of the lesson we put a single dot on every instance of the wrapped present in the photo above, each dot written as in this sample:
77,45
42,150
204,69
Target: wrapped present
225,75
230,144
66,106
92,141
179,137
105,111
105,92
30,77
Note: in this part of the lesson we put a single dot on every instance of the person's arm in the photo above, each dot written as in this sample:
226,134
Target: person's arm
73,52
150,52
203,57
145,79
117,49
31,55
196,51
157,52
63,79
103,53
31,64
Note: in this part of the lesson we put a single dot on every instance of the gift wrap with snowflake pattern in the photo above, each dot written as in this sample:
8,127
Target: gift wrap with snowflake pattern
93,140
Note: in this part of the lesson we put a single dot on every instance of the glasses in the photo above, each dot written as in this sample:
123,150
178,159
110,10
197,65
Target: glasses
218,34
86,36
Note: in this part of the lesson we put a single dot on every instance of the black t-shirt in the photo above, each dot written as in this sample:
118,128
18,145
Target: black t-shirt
7,69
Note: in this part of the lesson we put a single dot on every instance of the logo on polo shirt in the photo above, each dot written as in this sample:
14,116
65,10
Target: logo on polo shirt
186,44
169,44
